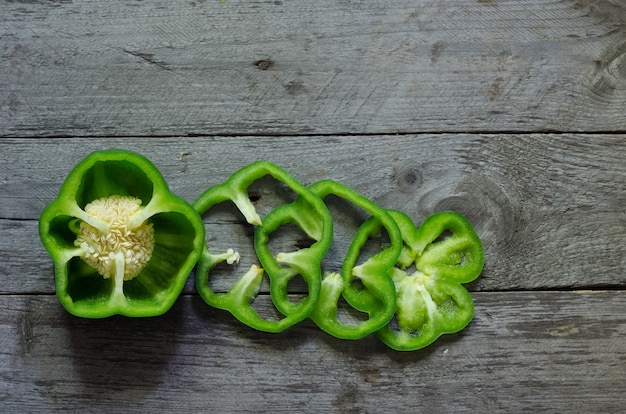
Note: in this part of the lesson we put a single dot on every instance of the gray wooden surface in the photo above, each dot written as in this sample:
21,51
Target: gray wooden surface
510,112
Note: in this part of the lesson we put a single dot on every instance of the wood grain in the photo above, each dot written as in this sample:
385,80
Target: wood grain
523,352
510,112
549,208
291,67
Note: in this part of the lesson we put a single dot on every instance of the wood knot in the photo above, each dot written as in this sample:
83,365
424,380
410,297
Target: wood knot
254,197
407,178
493,213
609,74
295,87
436,50
606,11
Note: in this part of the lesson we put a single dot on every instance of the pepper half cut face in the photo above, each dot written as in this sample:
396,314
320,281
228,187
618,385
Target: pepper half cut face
121,242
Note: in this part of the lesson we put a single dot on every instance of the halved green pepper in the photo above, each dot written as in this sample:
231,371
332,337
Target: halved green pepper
445,252
370,278
121,242
307,212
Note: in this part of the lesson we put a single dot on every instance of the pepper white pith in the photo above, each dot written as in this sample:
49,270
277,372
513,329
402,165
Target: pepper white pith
111,242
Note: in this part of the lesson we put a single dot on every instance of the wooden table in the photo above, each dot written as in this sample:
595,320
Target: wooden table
511,112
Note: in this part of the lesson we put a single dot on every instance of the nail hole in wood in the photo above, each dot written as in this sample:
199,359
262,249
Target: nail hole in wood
264,64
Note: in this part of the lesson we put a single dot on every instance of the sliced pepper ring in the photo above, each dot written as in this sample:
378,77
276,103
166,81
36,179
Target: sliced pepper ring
366,287
121,242
308,211
431,301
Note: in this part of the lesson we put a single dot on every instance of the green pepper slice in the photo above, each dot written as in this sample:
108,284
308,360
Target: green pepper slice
431,301
308,212
121,242
368,286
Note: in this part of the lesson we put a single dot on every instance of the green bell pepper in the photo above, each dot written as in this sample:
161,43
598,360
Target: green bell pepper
445,252
121,242
369,279
307,212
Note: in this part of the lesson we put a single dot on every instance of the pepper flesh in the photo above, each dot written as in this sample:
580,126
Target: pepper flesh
121,242
431,301
307,211
372,276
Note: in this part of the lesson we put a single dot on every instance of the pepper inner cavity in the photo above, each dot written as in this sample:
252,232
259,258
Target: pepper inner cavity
103,250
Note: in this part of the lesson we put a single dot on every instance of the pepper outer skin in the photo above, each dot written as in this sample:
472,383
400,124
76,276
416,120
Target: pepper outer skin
376,294
308,212
178,238
445,252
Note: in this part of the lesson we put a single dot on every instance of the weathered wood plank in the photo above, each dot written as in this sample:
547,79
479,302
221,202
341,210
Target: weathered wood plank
291,67
549,208
550,351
